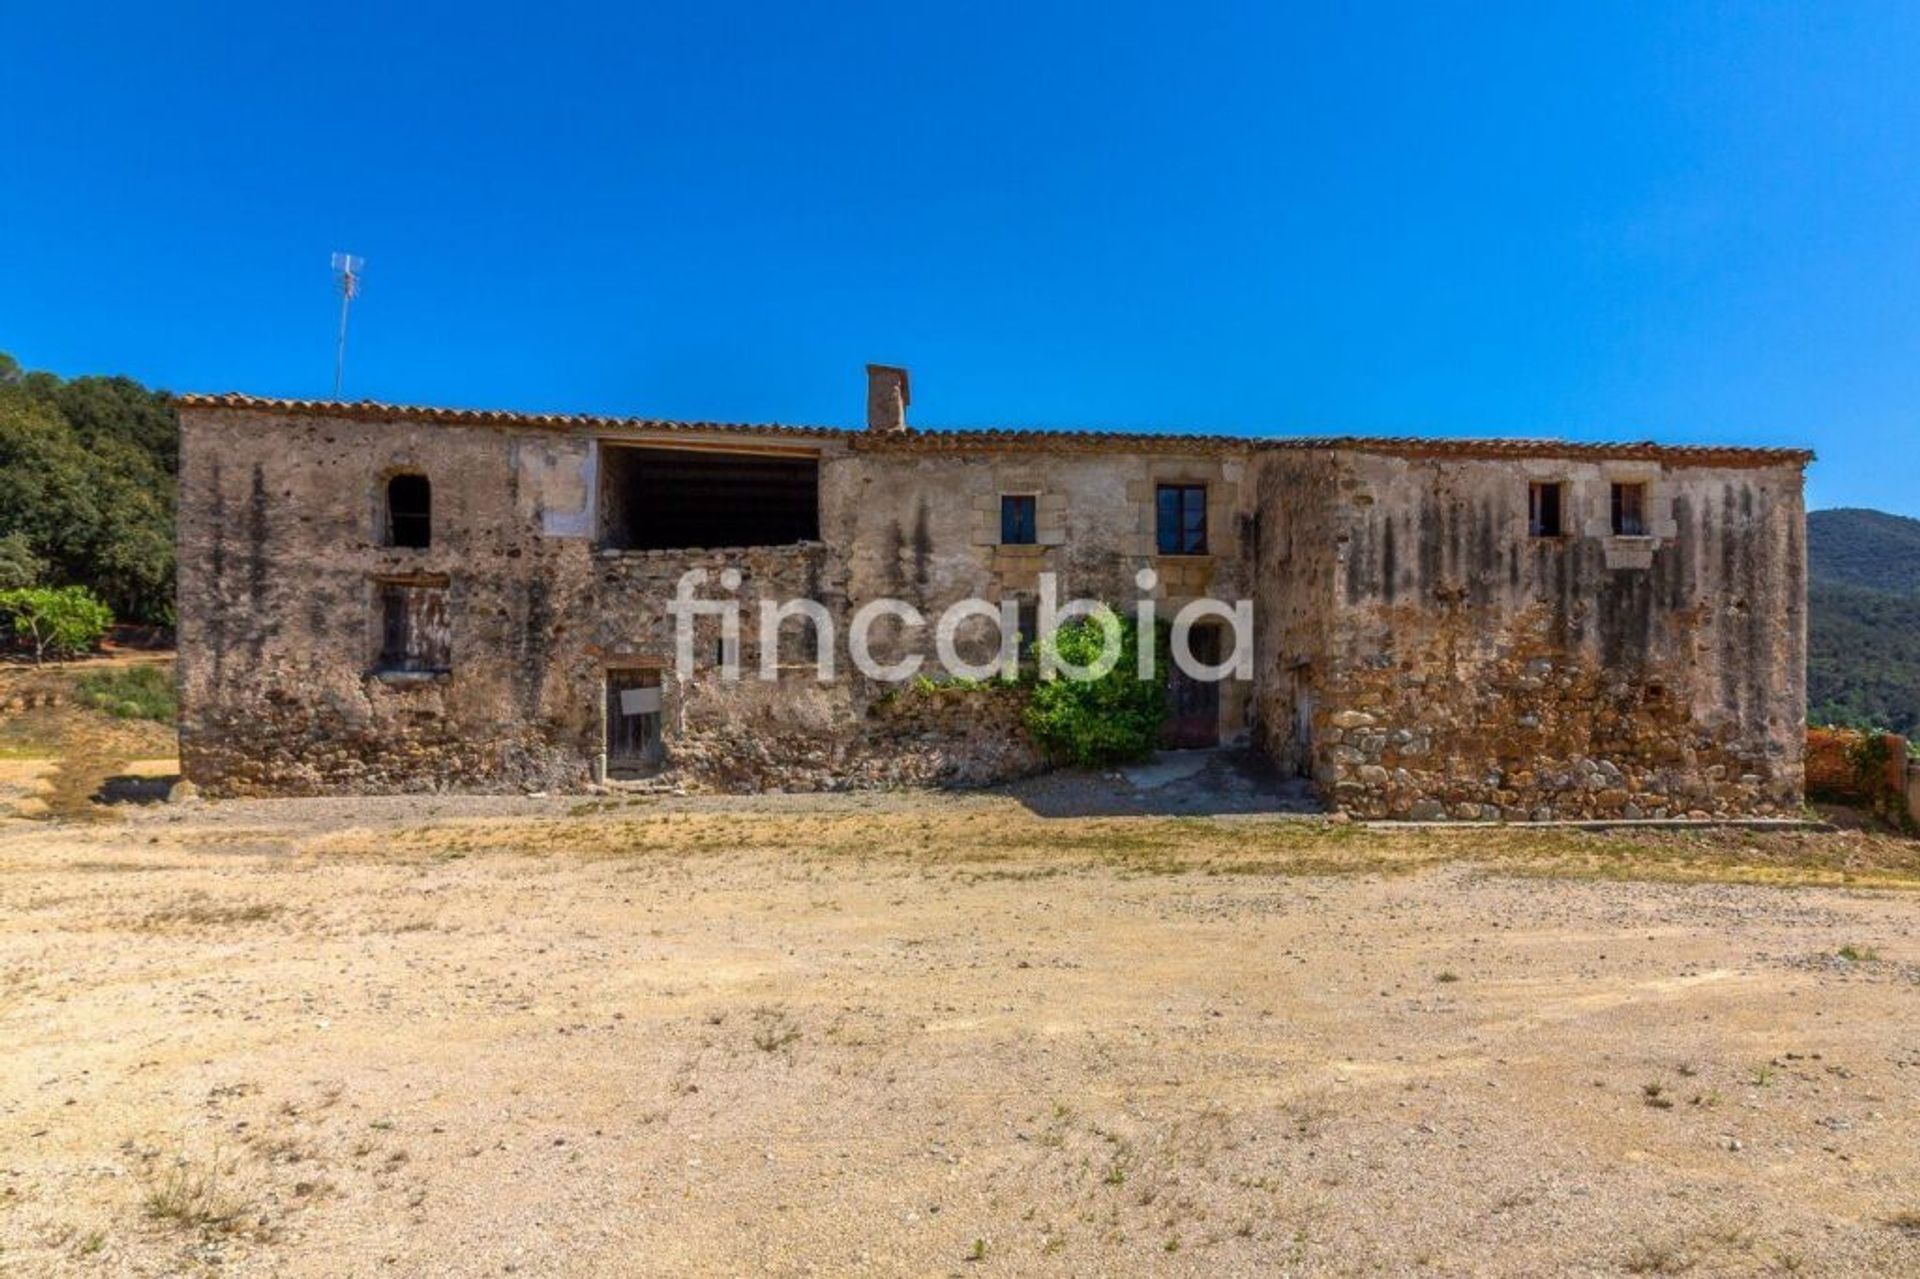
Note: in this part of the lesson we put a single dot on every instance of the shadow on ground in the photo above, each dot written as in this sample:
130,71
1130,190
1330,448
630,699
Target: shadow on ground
1198,783
133,788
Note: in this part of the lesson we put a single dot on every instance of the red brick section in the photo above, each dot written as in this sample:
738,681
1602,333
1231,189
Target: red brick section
1834,776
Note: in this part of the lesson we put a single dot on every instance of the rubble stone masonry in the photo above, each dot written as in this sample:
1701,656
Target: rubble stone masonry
1474,670
1419,653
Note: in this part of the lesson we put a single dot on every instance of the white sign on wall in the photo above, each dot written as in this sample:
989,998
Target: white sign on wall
639,701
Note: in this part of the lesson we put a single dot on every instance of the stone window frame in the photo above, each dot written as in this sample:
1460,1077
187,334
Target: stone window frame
1627,503
1050,511
1207,519
1631,550
1000,500
1222,479
1183,578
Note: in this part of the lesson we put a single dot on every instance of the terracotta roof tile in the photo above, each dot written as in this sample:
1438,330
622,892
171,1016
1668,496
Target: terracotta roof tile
1624,451
371,410
1036,440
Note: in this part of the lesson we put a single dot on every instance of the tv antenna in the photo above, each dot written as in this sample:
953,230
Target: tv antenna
346,269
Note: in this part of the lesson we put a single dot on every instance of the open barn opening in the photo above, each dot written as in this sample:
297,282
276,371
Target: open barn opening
667,499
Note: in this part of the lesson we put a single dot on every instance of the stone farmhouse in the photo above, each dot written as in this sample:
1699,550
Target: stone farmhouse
378,599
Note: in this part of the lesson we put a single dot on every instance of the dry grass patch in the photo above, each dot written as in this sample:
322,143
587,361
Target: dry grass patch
192,1194
1720,1249
197,910
998,839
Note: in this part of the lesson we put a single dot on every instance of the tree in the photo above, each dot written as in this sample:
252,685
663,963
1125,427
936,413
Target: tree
120,409
1107,720
64,621
19,566
86,477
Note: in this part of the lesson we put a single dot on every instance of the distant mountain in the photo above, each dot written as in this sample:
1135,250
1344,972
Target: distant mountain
1855,547
1863,624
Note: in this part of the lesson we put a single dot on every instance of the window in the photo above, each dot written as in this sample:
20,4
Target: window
409,511
1017,519
413,628
1630,510
1180,519
1545,503
654,499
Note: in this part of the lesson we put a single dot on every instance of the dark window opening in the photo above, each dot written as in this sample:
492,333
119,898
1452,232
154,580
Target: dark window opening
1019,519
1180,519
634,719
672,499
1544,504
414,636
409,511
1027,615
1630,510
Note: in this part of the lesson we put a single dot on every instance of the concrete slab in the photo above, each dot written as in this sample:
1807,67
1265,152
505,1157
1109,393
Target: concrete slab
1167,767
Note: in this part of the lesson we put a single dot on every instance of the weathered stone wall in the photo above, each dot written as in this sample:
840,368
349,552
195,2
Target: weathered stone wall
925,527
281,563
1477,672
1296,535
1417,652
803,735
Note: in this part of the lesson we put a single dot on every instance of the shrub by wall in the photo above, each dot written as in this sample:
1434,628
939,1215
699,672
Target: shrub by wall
1101,721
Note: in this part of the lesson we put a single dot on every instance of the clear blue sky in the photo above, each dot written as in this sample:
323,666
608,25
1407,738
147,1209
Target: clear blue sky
1690,222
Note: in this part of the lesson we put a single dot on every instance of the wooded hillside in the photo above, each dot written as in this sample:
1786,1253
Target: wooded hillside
87,472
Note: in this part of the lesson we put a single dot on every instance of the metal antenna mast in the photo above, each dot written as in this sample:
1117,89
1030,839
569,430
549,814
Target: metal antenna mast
346,268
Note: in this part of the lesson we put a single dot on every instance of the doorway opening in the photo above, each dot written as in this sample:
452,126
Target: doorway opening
1193,705
634,716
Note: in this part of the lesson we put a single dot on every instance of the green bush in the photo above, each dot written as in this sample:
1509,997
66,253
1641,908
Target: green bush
63,621
1108,720
132,692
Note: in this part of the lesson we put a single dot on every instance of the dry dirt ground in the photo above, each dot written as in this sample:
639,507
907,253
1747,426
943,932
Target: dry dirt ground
913,1034
56,754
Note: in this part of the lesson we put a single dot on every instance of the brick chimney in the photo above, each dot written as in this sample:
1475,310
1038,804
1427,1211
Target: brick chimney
887,398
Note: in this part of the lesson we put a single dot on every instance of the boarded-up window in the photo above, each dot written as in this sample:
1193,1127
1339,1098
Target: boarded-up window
413,628
1544,510
1630,510
409,511
634,716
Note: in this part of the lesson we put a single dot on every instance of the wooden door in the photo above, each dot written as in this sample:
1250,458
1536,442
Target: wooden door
1193,705
634,714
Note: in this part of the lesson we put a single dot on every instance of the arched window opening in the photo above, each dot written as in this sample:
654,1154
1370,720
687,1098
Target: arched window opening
409,511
